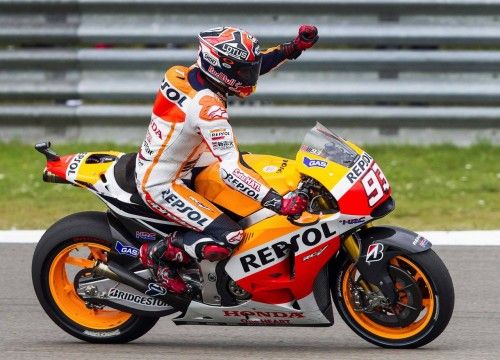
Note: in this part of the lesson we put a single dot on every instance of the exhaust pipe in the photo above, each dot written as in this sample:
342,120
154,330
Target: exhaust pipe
116,272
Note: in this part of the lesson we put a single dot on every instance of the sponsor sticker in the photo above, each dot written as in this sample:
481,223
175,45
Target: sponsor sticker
314,163
234,51
241,186
126,250
283,165
275,169
270,169
246,179
359,168
222,145
210,59
235,237
314,254
310,149
155,290
221,134
182,207
213,108
375,252
352,221
75,164
264,314
199,203
102,333
223,77
146,148
273,253
421,241
144,235
134,298
155,129
172,94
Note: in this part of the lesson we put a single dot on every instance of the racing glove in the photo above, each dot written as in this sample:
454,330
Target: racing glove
307,37
293,205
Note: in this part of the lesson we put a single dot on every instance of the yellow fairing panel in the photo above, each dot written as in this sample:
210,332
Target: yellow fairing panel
279,173
90,173
328,175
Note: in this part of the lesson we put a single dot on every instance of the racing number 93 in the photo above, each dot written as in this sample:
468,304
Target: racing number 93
375,184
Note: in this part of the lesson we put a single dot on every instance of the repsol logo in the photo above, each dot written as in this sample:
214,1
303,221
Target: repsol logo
136,299
75,163
269,254
359,168
172,94
239,185
183,208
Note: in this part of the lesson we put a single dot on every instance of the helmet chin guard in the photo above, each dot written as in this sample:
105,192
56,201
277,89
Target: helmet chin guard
231,58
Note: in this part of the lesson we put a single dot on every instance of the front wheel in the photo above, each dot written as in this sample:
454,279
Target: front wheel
422,311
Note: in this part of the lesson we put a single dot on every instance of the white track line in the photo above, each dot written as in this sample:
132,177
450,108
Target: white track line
20,236
474,238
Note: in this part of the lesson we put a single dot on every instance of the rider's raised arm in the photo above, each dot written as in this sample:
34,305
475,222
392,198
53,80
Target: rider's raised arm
277,55
218,135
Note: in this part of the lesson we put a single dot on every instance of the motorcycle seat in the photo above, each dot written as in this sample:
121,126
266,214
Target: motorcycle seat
124,172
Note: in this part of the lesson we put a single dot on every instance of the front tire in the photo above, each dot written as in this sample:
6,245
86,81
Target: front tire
425,304
73,243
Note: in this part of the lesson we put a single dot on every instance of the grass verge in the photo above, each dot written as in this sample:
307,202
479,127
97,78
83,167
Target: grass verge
436,187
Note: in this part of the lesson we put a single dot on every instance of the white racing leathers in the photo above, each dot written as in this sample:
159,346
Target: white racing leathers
186,123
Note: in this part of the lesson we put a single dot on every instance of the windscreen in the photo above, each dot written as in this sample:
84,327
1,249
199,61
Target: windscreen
322,142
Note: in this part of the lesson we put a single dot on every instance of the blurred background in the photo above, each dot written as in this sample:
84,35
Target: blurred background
422,74
412,71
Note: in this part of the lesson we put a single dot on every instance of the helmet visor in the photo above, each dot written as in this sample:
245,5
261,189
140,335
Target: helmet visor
245,72
249,72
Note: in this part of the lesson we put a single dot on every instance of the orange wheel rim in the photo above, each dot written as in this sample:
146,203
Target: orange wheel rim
395,333
65,296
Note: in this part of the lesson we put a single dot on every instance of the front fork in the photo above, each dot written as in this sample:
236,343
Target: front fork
351,247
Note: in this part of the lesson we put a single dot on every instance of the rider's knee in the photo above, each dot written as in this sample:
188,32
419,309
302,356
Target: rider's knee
225,231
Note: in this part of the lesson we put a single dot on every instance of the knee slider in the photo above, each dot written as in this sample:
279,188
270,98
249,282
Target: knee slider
234,237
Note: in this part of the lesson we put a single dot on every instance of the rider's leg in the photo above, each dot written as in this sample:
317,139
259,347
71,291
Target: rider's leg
213,233
164,257
215,243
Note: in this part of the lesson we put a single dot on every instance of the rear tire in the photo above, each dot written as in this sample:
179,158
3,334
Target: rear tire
54,256
435,288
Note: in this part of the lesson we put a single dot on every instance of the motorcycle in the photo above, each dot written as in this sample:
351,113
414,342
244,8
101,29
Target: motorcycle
386,282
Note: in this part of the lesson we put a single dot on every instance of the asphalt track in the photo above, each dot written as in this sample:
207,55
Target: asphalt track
473,333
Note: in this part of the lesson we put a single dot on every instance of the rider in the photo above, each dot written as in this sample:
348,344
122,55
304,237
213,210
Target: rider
189,118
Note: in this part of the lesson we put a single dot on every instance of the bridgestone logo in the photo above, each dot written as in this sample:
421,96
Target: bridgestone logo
136,299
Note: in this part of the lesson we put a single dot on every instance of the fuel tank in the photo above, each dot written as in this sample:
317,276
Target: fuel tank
280,173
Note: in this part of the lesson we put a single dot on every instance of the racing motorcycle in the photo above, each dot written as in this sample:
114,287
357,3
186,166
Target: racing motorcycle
386,282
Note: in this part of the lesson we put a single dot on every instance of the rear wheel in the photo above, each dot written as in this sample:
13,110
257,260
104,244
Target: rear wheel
422,311
75,243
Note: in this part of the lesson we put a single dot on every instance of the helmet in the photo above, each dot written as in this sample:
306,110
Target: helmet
231,58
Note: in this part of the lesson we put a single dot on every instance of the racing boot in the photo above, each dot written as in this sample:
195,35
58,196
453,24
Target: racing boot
162,258
170,280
